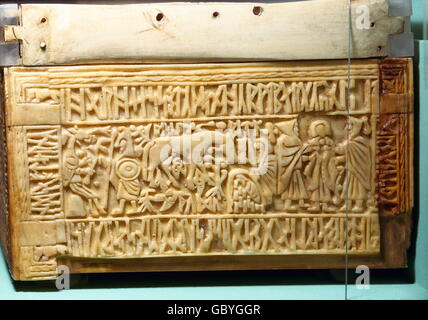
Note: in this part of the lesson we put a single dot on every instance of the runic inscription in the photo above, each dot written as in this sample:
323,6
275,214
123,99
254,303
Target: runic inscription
43,154
180,101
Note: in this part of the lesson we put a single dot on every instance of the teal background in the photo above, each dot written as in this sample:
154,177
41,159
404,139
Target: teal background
318,284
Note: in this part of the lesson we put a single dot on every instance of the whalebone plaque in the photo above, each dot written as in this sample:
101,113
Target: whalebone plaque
207,166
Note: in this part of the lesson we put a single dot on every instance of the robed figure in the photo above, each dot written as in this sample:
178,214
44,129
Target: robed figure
290,152
321,170
358,174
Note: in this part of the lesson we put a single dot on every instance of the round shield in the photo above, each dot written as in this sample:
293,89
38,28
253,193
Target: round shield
127,169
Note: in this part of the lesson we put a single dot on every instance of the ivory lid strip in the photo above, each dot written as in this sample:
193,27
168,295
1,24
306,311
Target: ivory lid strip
71,34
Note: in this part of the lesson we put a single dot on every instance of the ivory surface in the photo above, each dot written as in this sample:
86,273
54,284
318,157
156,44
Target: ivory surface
68,34
208,166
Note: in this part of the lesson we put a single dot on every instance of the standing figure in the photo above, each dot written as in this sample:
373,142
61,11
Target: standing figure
125,174
358,174
321,168
290,150
77,174
79,169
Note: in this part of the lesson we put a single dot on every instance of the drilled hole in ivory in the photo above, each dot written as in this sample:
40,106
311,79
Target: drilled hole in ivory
258,11
159,17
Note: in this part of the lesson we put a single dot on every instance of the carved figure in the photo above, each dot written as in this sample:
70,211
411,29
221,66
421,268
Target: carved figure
125,173
291,155
357,149
78,172
321,168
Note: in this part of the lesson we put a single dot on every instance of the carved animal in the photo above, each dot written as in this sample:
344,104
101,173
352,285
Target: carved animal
192,147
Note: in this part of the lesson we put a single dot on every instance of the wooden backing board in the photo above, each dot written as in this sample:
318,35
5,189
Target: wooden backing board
163,32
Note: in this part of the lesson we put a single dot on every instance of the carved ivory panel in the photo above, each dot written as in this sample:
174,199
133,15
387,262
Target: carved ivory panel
255,165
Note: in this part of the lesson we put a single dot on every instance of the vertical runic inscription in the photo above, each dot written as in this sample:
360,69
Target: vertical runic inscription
43,153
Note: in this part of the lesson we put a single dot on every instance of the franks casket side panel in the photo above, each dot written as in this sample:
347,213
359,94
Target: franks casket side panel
193,161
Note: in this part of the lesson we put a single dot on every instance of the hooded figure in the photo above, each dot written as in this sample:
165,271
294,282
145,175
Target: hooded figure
358,175
290,150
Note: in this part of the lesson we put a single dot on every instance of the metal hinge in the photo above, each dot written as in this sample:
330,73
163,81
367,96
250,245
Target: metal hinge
401,45
9,51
